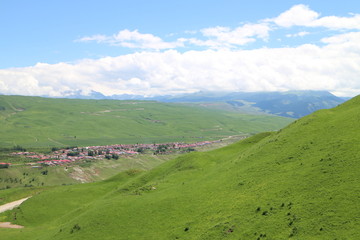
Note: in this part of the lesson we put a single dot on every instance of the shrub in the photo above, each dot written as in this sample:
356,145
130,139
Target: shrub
75,228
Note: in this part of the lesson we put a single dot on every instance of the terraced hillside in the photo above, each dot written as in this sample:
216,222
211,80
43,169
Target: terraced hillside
301,182
44,122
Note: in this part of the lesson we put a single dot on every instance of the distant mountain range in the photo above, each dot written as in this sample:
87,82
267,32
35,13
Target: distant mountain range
293,104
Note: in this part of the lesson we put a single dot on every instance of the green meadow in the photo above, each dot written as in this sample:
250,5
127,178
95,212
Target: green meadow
34,122
301,182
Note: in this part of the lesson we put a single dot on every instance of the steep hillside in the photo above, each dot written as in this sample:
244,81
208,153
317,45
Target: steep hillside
44,122
301,183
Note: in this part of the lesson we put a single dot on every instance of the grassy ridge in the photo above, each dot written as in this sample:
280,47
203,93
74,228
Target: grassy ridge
42,122
301,182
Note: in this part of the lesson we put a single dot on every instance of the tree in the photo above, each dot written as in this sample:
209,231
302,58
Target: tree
140,150
4,165
72,154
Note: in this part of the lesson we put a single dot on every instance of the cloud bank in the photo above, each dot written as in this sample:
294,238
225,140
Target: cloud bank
331,64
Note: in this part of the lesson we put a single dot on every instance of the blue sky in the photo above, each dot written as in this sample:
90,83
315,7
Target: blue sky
168,47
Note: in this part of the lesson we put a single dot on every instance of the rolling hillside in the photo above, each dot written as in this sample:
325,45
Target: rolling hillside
45,122
301,182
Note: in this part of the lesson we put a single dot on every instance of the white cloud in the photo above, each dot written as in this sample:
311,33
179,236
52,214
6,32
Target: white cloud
352,38
302,15
299,34
333,67
133,39
97,38
333,22
216,37
221,37
224,36
298,15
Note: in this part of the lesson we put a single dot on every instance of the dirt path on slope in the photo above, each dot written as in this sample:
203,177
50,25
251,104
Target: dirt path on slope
9,206
9,225
12,205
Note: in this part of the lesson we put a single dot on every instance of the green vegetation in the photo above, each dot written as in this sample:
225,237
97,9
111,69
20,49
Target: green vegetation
301,182
20,175
24,170
34,122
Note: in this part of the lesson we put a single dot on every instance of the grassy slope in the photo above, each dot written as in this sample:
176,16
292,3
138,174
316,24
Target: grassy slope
301,182
43,122
20,176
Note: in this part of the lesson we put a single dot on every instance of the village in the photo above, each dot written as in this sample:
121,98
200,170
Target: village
79,154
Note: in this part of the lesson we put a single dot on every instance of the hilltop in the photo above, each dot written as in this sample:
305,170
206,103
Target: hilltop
293,104
33,122
301,182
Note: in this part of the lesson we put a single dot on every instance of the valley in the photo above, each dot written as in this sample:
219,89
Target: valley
93,163
298,182
179,120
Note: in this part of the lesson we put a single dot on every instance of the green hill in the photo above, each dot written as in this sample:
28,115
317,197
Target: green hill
301,182
46,122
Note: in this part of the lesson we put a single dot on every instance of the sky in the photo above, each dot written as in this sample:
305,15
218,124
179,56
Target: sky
156,47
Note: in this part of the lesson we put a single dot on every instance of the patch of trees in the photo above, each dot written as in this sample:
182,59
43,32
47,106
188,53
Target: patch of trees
161,149
19,148
92,153
14,148
71,147
73,154
4,166
10,180
140,150
112,156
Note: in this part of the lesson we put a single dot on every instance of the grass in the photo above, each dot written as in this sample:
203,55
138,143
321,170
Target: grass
34,122
20,175
301,182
